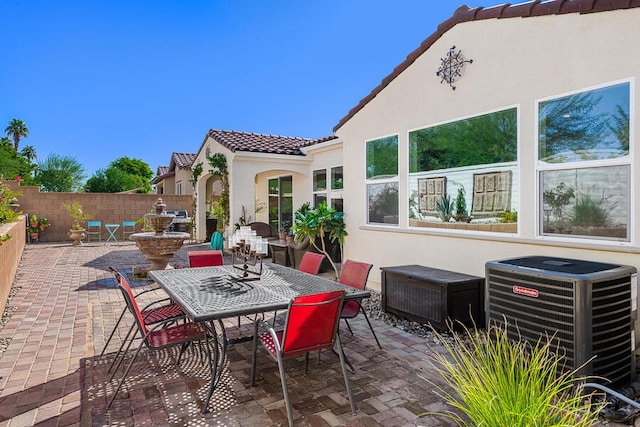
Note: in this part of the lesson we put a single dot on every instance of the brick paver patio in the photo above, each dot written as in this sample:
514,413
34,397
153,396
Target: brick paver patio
67,303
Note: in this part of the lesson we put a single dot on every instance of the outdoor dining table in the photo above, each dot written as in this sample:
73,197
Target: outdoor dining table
211,294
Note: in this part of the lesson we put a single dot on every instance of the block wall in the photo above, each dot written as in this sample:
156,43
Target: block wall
10,255
106,207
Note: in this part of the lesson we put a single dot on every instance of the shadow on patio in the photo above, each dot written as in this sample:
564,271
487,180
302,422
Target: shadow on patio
67,305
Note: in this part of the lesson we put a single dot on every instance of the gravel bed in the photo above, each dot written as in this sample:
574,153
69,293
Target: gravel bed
373,307
8,312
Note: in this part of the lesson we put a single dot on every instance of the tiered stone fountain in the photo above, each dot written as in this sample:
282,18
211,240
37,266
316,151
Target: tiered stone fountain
159,245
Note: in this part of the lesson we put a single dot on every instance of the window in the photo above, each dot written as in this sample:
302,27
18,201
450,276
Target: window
280,202
465,172
382,180
179,187
319,186
336,188
333,195
336,178
584,165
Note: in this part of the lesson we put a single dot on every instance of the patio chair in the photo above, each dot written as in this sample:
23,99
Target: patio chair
297,251
152,313
355,274
311,324
159,336
128,228
311,262
206,258
263,230
94,228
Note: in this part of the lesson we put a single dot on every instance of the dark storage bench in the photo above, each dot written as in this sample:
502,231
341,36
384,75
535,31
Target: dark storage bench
430,295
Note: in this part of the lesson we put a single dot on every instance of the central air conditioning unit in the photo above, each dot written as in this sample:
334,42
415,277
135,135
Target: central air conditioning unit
588,306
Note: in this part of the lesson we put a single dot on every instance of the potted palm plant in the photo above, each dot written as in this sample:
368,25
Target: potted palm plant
76,233
323,226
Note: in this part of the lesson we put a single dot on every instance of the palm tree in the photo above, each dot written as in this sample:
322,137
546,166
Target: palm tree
17,129
29,152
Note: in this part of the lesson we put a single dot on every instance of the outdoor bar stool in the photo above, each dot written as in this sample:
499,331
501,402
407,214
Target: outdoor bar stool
94,228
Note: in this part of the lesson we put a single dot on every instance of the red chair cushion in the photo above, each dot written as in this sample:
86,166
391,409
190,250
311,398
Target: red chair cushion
268,343
175,334
311,262
350,309
160,314
205,258
354,274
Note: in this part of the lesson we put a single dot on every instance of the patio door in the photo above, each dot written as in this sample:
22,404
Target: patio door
281,203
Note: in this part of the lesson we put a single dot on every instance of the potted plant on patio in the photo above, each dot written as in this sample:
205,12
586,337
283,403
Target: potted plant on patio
33,221
34,232
13,204
43,224
76,233
322,225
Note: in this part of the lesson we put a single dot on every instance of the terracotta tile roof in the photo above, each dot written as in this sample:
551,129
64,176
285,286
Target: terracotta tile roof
466,14
182,160
162,173
261,143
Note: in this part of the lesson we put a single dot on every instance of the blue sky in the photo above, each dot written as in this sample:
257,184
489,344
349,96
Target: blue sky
102,79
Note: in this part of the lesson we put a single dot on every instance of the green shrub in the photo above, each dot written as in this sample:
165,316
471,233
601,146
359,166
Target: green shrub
497,382
588,212
445,207
509,216
7,197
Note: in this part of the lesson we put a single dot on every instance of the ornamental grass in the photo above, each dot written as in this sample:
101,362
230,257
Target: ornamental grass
498,382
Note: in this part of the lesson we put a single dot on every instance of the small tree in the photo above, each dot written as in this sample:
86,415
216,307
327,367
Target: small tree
461,206
557,199
76,213
318,223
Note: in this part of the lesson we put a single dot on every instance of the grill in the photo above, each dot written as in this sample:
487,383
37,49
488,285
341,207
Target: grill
587,305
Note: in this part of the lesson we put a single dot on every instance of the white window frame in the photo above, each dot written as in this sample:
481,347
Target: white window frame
389,180
541,167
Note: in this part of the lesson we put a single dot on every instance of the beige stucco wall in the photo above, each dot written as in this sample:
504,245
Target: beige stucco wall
516,62
183,175
248,175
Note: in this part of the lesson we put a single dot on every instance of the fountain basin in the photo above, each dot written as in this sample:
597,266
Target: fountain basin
159,248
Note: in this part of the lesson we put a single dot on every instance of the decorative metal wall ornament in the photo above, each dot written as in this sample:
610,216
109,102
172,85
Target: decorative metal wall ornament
451,66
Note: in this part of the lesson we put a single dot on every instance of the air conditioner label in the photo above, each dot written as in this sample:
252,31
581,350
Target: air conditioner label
527,292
